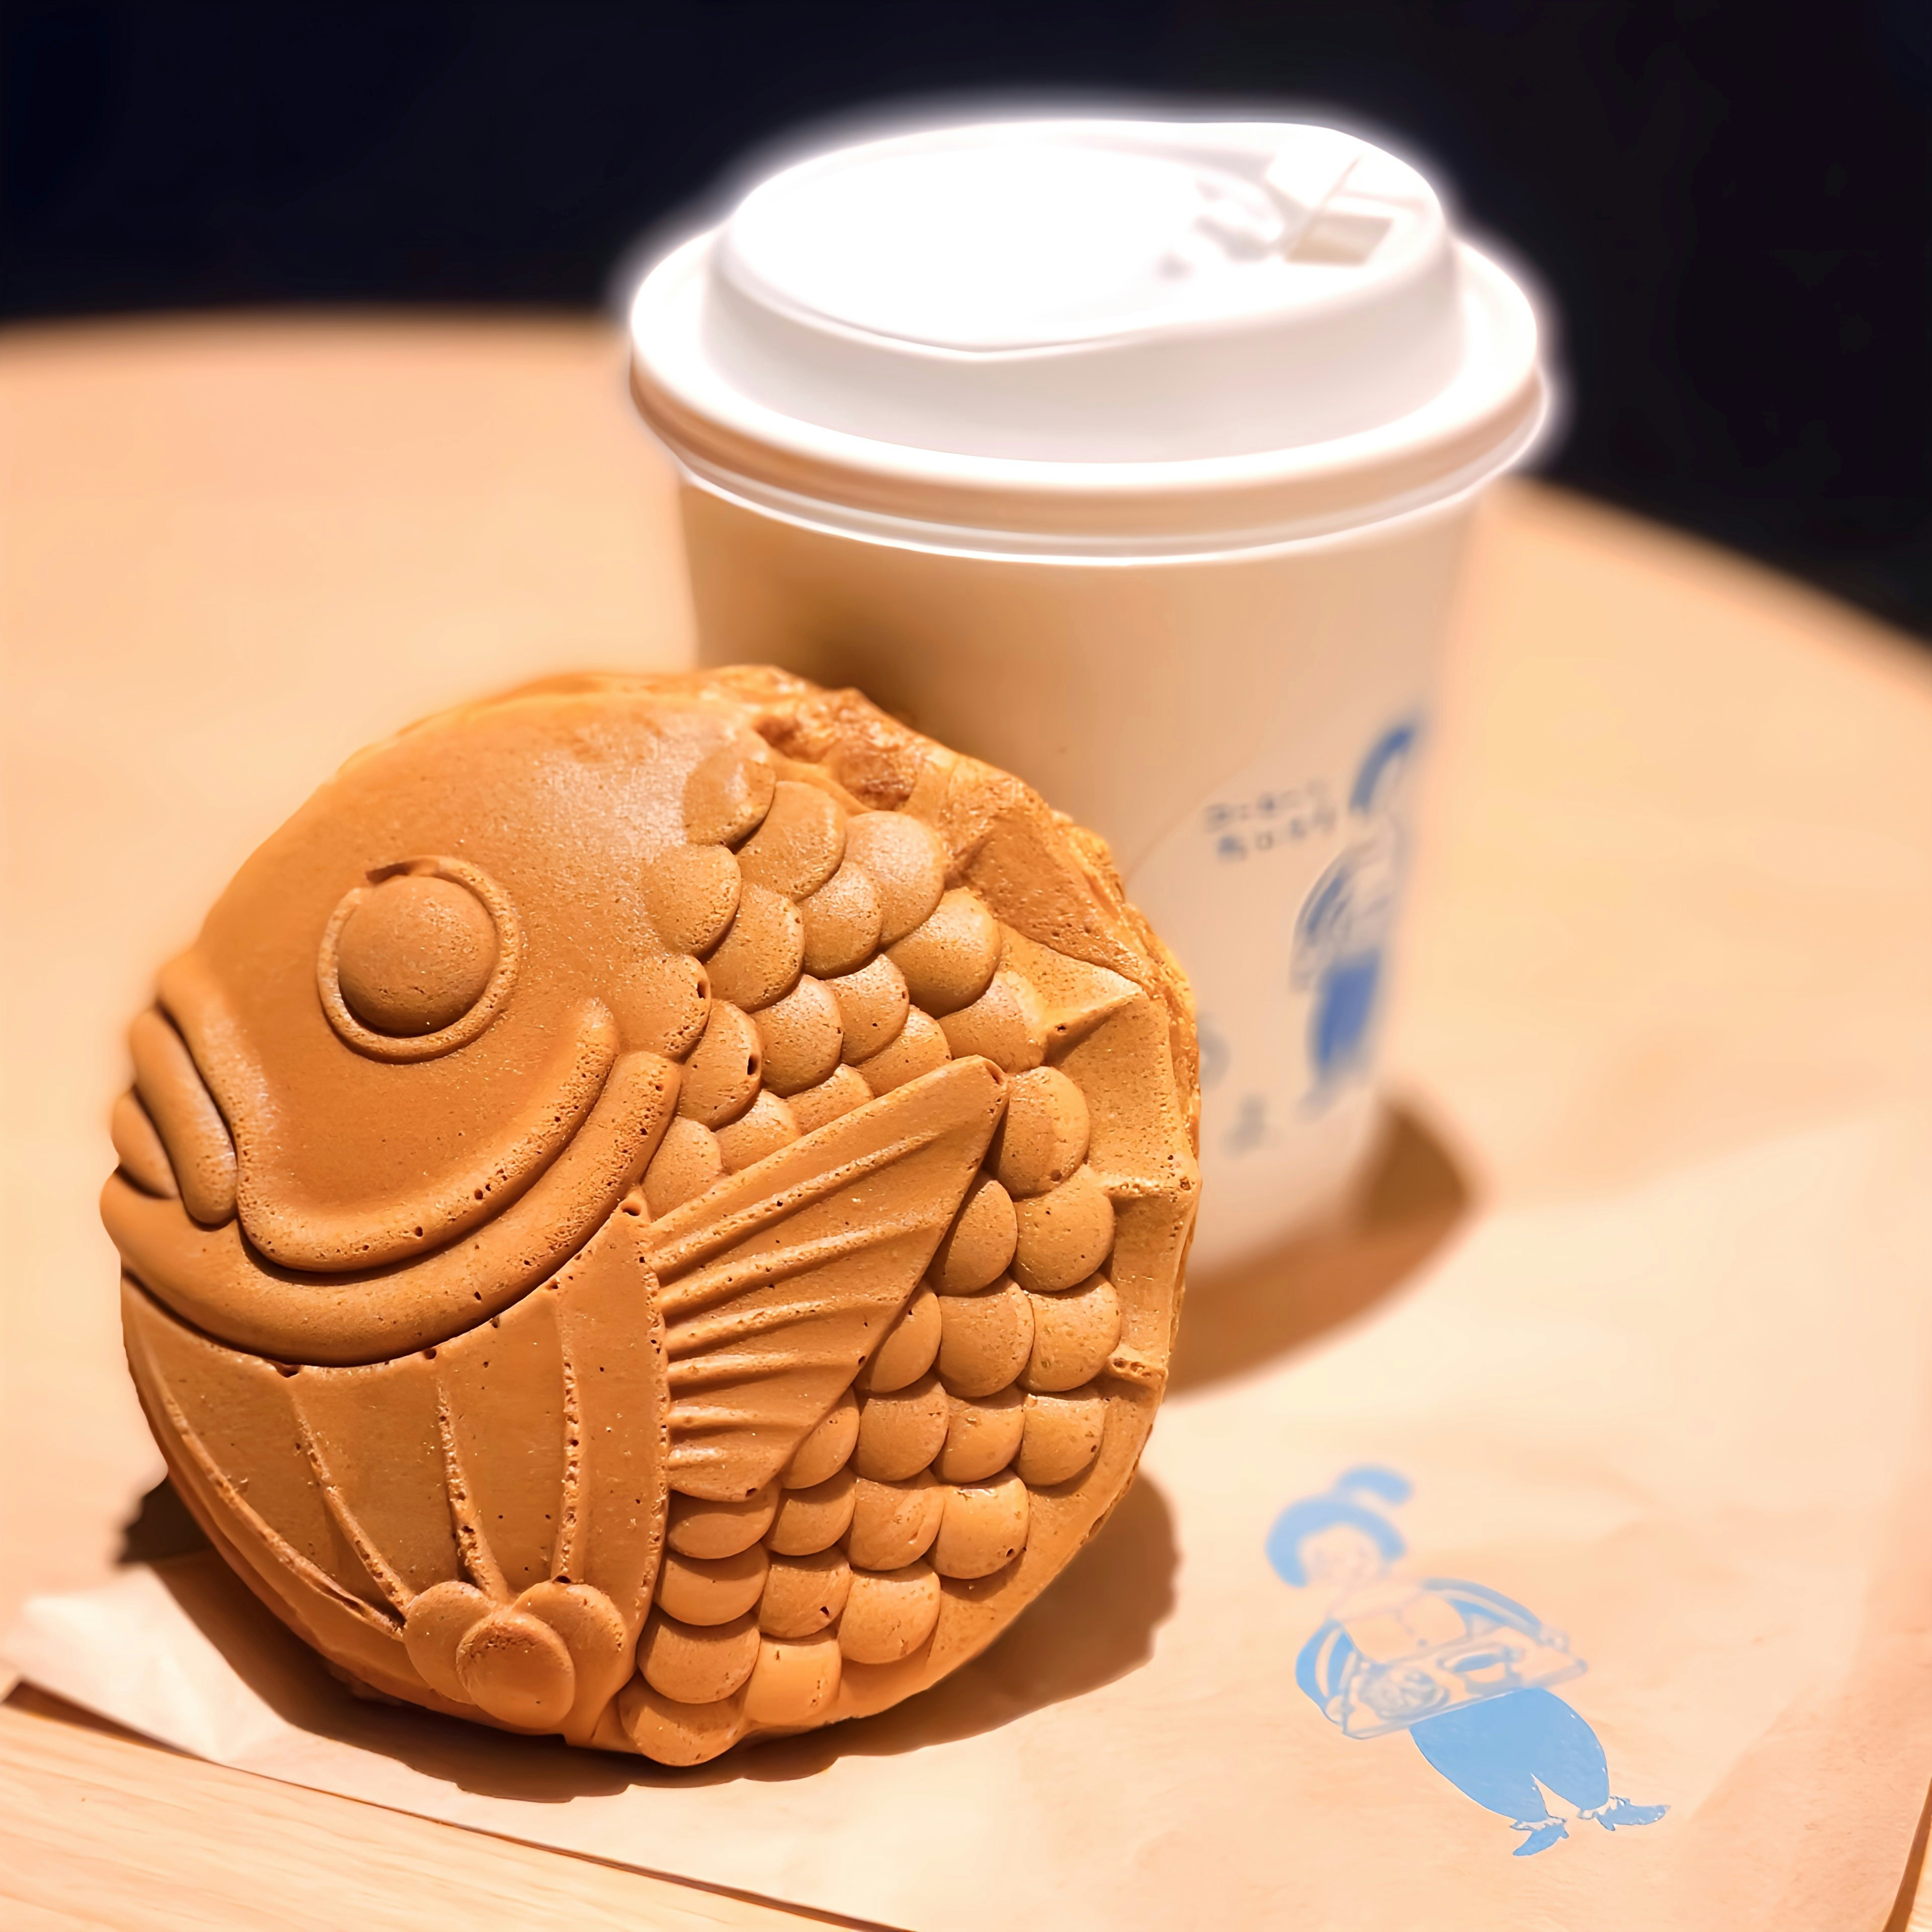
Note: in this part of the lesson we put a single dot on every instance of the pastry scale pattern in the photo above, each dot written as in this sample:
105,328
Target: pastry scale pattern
654,1210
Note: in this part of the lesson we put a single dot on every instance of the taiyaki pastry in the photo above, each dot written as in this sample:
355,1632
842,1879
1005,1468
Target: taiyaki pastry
654,1209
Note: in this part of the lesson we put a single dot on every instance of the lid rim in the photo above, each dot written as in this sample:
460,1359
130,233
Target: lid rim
1472,419
1070,545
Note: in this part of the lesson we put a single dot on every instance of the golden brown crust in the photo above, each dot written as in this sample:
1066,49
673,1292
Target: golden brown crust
672,1346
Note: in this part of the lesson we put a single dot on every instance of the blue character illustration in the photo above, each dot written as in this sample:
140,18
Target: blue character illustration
1464,1670
1343,931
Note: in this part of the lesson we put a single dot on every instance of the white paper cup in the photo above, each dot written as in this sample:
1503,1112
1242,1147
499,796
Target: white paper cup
1136,458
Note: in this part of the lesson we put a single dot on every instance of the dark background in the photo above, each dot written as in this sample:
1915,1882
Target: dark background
1730,204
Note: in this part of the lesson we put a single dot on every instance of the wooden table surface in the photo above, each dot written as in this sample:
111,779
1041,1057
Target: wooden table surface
1675,897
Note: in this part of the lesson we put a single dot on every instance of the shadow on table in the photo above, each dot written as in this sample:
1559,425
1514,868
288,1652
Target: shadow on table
160,1528
1096,1624
1408,1205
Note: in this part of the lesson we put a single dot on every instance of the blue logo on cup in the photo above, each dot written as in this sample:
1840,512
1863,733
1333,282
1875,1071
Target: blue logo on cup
1342,931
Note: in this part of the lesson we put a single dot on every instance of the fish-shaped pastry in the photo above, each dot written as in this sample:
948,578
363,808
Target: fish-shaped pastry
654,1209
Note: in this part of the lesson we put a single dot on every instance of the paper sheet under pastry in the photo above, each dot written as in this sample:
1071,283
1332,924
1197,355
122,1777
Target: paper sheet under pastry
1679,1438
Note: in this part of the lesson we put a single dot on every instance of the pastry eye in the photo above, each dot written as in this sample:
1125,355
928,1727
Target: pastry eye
414,955
418,961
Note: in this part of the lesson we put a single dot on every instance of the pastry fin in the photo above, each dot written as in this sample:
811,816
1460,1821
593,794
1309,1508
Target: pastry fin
776,1284
526,1458
212,1412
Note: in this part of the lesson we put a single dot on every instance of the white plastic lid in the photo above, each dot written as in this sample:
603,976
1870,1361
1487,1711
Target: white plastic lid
1092,334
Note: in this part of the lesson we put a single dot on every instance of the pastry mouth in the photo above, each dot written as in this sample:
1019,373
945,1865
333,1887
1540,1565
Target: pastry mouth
253,1263
217,1278
283,1220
